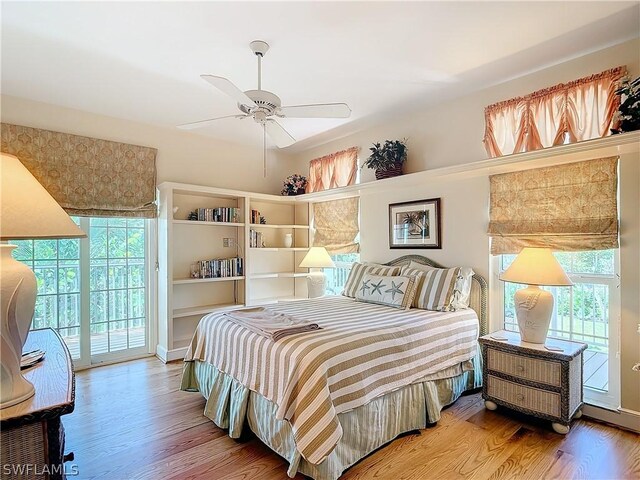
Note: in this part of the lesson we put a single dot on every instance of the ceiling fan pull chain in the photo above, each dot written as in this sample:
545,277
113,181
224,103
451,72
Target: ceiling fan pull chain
264,151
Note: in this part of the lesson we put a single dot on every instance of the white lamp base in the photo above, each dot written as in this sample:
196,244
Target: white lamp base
18,299
534,307
316,284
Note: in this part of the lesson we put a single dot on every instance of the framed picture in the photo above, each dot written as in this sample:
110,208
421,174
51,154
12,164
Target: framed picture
415,224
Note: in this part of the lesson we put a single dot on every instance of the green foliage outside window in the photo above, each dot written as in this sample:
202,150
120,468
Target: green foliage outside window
116,283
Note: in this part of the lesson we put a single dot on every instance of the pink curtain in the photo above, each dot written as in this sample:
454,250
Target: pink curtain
332,171
574,111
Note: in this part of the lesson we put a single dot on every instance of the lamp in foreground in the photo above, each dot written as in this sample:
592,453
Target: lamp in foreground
534,306
316,257
27,211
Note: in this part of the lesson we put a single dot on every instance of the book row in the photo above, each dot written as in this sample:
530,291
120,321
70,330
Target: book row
218,268
256,239
220,214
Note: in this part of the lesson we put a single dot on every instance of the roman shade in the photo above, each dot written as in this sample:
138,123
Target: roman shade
332,171
570,207
569,112
87,176
336,225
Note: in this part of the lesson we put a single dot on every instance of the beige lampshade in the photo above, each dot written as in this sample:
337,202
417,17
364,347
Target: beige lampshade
317,257
27,210
536,266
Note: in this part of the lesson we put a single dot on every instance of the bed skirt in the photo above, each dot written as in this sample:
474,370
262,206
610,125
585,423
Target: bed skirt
365,429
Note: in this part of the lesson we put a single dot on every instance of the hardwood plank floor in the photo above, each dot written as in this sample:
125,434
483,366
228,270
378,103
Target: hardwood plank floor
132,422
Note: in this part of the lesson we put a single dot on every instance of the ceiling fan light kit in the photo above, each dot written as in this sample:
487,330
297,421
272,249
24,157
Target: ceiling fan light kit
262,105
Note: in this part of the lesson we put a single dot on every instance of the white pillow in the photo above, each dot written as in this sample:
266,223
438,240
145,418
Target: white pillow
462,288
359,269
392,291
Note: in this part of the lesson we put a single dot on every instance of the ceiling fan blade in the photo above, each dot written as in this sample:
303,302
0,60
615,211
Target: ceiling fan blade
278,134
229,88
320,110
205,123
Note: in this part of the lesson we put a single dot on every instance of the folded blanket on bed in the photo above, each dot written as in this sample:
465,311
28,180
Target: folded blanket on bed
270,324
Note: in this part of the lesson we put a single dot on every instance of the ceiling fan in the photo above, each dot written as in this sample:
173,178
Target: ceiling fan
263,106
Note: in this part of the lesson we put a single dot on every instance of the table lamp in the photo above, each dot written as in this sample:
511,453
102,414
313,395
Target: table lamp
534,306
316,257
27,211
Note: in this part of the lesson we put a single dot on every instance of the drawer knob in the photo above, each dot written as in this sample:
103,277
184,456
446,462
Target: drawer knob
519,397
520,368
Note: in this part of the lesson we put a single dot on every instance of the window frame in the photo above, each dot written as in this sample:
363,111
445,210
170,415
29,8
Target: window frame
86,359
610,399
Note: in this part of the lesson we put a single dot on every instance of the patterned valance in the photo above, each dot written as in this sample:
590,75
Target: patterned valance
87,176
568,112
569,207
337,226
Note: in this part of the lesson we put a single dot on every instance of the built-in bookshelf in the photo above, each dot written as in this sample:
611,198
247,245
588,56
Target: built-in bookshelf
192,241
272,269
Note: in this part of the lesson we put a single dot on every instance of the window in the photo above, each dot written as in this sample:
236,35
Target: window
93,292
338,169
56,264
587,312
568,112
337,277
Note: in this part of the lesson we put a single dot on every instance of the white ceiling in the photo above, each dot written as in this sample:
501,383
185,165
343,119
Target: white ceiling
142,61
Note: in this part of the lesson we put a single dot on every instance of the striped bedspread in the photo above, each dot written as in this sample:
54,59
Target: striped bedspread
363,351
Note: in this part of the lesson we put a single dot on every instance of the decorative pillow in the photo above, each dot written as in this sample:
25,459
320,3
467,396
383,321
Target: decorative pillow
393,291
462,291
435,287
357,272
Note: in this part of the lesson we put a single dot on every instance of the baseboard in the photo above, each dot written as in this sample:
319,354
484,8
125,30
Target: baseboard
161,353
627,419
112,361
170,355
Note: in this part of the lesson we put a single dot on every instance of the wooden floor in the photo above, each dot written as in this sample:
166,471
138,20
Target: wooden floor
132,422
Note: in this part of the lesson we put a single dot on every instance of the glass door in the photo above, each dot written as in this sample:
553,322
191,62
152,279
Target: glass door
94,291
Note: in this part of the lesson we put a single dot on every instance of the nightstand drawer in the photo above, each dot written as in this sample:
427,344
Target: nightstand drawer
533,369
525,397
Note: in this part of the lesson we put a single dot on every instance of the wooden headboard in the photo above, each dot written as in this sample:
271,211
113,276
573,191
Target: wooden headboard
479,289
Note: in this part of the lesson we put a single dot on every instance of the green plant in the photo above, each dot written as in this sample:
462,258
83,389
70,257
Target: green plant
388,155
628,114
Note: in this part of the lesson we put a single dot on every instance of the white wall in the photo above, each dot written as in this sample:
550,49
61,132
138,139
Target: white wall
464,212
182,156
630,279
451,134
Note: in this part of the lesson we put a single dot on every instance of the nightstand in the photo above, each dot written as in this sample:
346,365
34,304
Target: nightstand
32,435
532,379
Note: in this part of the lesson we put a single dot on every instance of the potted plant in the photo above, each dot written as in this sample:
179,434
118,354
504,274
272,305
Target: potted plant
295,184
387,159
628,115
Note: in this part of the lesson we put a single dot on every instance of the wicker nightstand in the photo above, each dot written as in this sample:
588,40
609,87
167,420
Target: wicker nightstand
531,379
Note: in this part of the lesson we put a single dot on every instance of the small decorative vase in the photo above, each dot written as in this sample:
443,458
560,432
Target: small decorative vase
394,171
300,191
288,240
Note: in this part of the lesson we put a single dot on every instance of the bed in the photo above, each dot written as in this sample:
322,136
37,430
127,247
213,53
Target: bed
326,399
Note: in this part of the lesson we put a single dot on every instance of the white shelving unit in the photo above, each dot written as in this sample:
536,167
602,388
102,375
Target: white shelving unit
270,274
273,270
181,281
